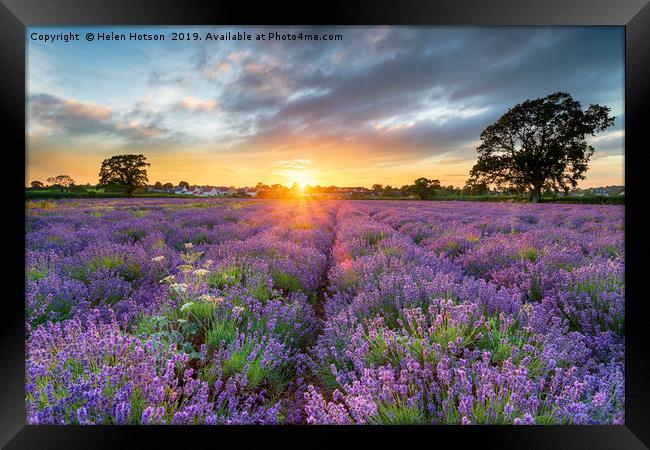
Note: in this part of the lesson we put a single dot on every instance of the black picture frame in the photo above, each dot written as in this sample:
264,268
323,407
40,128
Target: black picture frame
634,15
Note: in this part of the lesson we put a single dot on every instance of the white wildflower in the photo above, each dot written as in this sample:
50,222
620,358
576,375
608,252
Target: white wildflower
179,287
158,258
168,279
201,272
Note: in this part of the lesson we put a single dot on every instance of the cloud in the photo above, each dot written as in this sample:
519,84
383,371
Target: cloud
294,164
195,104
76,118
157,78
69,114
406,89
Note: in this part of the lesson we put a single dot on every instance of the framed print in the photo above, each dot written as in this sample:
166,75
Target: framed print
376,220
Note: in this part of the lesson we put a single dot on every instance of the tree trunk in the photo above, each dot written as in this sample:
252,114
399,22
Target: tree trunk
536,194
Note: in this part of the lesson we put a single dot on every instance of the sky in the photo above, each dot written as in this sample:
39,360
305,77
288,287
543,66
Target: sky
383,105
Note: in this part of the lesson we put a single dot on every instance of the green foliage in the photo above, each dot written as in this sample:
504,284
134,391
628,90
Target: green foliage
327,377
59,309
528,253
372,237
348,281
594,289
126,172
221,332
610,251
379,353
226,276
506,341
202,312
539,145
138,404
535,294
127,268
451,248
58,240
423,188
201,238
242,360
260,291
35,274
398,414
285,281
391,251
135,234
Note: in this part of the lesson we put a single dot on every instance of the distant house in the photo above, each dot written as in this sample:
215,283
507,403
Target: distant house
251,193
181,191
210,192
601,192
622,194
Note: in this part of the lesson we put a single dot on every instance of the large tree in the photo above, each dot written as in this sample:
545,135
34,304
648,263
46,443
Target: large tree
124,171
540,145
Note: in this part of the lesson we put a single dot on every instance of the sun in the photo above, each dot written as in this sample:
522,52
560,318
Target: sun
301,178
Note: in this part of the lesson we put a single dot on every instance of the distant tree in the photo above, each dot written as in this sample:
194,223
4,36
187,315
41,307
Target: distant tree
184,184
168,186
261,187
37,184
377,188
158,185
424,188
540,144
475,187
127,172
60,181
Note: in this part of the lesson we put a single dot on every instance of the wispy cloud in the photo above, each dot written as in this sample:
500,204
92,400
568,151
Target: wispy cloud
73,117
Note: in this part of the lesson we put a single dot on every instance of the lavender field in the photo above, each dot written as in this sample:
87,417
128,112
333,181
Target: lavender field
198,311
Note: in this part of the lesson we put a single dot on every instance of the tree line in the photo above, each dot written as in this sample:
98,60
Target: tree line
537,146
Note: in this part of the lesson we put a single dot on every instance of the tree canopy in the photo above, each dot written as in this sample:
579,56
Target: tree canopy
424,188
127,172
539,144
61,181
475,187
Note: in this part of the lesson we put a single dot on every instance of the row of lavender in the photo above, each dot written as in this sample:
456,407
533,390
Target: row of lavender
473,313
171,311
